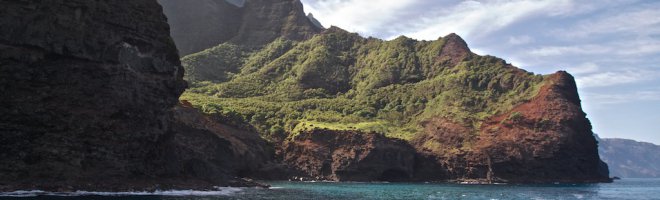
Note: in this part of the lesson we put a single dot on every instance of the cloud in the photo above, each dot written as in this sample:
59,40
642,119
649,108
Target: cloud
572,50
620,98
611,78
636,21
633,47
520,40
479,18
584,68
369,17
428,20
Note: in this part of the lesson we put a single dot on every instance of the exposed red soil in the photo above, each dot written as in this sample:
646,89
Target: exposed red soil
349,156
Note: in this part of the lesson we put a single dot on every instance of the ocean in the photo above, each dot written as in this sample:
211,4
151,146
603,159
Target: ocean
638,189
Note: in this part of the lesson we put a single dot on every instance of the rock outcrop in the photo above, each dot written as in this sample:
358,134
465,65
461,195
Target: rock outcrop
88,89
349,156
547,139
198,25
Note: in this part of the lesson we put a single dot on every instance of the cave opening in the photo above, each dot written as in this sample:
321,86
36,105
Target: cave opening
394,175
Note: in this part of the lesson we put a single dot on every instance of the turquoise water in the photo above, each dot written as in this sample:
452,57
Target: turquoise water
621,189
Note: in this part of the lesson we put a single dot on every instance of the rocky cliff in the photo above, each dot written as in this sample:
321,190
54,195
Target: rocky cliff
349,156
469,117
89,89
546,138
198,25
629,158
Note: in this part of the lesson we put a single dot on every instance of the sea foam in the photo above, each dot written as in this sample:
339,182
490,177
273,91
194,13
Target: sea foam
220,191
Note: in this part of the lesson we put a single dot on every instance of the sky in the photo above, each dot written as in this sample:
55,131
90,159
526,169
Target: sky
612,47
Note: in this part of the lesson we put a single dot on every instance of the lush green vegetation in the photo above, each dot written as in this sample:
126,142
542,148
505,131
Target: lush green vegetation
339,80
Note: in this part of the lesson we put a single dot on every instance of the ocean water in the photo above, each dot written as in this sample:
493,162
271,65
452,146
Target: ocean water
620,189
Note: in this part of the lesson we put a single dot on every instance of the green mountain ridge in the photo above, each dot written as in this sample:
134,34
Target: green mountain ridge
340,80
321,101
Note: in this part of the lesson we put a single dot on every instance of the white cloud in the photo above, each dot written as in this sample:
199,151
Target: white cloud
640,22
363,16
572,50
478,18
584,68
426,20
611,78
520,40
619,98
632,47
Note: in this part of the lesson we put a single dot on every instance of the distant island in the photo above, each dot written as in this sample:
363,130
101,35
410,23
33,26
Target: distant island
629,158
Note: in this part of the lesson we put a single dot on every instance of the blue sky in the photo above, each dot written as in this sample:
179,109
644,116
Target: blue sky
612,47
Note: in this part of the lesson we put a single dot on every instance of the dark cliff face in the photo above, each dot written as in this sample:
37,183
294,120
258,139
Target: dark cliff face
86,86
202,147
629,158
198,25
88,89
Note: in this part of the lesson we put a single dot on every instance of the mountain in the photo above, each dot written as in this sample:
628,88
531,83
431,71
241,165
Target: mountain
629,158
90,102
202,24
468,117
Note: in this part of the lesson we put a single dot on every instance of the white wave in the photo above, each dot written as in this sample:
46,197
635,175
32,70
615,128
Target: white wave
21,193
220,191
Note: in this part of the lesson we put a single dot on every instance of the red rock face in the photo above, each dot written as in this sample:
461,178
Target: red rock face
349,156
547,139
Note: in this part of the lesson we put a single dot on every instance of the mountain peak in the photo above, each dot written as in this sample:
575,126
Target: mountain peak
314,21
198,25
455,39
455,49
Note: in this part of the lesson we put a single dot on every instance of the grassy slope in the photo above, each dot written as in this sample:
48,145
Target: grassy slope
339,80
